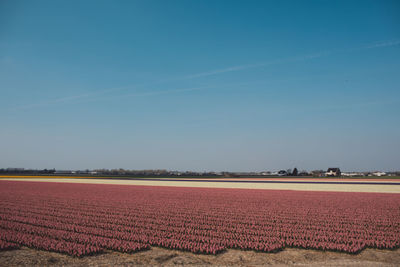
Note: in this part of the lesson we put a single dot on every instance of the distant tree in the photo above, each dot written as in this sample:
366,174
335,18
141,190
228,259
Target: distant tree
317,173
295,172
229,174
304,173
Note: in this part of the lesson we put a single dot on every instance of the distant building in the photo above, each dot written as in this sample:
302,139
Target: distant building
352,174
379,173
333,172
64,172
282,173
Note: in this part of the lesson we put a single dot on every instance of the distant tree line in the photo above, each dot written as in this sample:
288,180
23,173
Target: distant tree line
166,173
26,171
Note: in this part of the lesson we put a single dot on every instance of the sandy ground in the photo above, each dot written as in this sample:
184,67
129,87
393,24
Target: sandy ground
247,185
166,257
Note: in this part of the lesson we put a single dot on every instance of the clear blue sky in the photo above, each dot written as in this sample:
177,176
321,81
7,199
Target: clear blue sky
200,85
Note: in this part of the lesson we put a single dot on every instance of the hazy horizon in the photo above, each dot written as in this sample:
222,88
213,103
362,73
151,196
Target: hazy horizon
200,85
204,171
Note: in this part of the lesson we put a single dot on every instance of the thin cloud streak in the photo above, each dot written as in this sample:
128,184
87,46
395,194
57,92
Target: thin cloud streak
51,102
172,91
229,69
383,44
292,59
67,99
259,65
152,93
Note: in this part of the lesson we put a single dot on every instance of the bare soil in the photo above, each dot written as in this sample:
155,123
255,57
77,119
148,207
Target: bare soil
166,257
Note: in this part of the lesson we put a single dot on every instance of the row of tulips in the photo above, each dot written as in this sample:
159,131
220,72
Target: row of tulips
98,241
49,244
130,218
229,239
190,228
4,245
134,221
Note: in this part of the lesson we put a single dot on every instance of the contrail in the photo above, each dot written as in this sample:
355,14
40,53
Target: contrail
374,45
291,59
258,65
382,44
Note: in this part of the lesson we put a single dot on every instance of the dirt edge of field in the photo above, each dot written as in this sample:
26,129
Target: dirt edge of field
167,257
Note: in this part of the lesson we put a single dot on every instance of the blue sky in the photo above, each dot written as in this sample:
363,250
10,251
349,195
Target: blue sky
200,85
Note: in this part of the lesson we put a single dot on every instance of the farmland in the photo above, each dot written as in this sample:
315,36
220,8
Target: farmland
88,219
278,183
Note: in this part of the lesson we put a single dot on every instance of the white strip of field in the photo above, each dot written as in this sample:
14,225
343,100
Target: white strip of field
372,188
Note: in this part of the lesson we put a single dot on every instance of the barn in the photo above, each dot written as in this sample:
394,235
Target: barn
333,172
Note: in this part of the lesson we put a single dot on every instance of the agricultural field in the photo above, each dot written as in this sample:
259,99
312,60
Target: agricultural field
278,183
89,219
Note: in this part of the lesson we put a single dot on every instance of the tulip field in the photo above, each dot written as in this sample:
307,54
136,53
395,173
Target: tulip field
86,219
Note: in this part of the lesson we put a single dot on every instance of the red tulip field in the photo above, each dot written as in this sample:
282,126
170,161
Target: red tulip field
85,219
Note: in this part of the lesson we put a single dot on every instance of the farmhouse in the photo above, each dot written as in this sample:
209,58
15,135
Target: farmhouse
333,172
282,173
379,173
64,172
